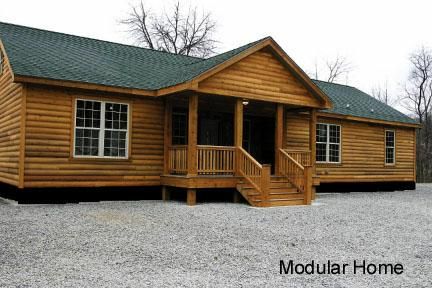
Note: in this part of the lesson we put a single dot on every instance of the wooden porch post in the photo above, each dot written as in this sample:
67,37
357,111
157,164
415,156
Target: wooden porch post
238,129
191,197
265,184
279,132
165,193
312,147
167,133
312,136
308,185
192,135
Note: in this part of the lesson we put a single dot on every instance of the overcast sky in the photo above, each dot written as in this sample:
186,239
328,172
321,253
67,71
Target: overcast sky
375,36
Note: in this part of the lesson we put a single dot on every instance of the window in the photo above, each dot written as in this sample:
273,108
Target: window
179,127
328,143
101,129
390,147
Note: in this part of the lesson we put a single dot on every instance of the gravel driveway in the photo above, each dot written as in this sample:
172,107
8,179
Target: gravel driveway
156,244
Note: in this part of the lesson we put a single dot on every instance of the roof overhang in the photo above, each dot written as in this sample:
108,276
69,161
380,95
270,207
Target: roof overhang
367,120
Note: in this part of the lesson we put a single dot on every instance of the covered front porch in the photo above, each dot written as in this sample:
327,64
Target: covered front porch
214,141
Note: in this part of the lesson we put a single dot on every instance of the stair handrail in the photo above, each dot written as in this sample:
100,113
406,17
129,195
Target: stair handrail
249,168
292,169
297,174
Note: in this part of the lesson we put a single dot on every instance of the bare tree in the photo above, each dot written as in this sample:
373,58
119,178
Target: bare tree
337,68
185,32
381,93
418,100
418,90
334,69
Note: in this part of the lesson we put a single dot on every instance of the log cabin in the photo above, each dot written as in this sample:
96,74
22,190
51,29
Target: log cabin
80,112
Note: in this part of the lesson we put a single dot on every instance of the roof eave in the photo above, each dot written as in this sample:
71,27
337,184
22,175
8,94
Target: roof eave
368,120
82,85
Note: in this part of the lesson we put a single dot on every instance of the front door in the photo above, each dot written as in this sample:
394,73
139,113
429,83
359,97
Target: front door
259,138
209,131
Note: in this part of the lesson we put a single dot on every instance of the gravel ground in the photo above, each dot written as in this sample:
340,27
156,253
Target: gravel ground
156,244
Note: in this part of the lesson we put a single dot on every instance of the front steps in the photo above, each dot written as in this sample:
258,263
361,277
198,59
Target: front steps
281,193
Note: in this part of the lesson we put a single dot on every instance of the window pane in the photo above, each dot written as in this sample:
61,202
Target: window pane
334,153
87,114
389,155
321,133
86,142
334,134
115,143
390,138
321,152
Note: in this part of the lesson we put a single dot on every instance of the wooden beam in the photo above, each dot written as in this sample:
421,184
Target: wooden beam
191,197
238,129
236,196
165,193
265,184
167,133
312,137
192,135
238,123
279,131
308,185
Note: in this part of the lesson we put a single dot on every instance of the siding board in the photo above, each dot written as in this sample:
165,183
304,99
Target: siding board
48,161
260,76
10,127
362,150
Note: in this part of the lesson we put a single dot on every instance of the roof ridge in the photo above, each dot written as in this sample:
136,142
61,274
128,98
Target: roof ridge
239,47
99,40
251,44
334,83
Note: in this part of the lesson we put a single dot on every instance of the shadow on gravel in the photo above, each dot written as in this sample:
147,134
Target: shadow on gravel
76,195
366,187
96,194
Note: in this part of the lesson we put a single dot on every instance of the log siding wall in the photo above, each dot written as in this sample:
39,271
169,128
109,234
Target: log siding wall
11,96
259,76
362,150
49,138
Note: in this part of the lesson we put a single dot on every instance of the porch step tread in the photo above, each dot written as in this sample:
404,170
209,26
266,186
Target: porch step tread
287,202
281,193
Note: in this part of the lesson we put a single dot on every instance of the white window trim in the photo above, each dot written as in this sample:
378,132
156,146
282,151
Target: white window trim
101,131
394,147
328,144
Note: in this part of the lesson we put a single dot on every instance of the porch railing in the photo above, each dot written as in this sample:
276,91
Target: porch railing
303,157
299,175
216,160
211,160
177,162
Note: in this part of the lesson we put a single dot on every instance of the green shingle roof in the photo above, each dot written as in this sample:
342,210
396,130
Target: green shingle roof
45,54
351,101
